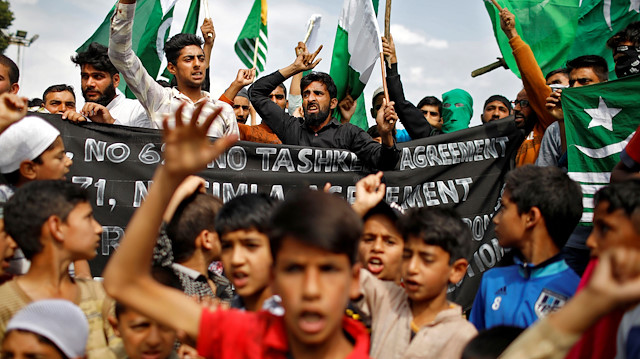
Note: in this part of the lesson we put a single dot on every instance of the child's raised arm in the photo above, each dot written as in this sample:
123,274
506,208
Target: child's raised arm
127,277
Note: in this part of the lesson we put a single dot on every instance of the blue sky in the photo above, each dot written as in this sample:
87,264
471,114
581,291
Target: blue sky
439,43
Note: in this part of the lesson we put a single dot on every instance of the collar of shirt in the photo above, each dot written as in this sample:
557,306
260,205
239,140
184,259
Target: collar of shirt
182,97
193,274
550,266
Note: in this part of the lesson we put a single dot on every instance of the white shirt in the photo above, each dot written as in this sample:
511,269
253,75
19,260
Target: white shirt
128,112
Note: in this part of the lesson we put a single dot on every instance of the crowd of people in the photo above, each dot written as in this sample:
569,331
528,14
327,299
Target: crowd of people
309,276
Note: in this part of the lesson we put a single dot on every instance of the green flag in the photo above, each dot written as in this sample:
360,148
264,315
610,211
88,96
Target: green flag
355,51
549,27
150,30
254,31
599,20
599,121
190,27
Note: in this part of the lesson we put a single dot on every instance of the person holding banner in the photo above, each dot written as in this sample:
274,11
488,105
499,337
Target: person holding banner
320,129
186,61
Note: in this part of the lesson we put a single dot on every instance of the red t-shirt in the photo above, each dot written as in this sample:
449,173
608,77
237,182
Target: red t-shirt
227,334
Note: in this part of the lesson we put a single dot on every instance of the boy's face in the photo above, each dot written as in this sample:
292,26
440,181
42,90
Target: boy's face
142,337
246,258
190,66
7,247
81,232
380,249
510,225
5,83
55,163
25,345
426,271
315,286
611,230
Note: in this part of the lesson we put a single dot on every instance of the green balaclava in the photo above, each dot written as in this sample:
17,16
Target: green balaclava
457,108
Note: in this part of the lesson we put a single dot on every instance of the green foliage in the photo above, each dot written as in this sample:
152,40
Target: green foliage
6,18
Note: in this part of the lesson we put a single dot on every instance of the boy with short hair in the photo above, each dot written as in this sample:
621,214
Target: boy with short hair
314,250
243,227
540,207
52,222
417,320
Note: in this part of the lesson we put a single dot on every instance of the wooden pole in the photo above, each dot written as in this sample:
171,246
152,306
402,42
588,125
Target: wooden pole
387,27
384,78
495,3
255,53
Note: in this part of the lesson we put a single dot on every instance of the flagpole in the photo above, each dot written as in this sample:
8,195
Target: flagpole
384,78
495,3
255,54
206,13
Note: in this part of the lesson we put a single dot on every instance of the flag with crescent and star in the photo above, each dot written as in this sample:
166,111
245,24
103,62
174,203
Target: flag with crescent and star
599,121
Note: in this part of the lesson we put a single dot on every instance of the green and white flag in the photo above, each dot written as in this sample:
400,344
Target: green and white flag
190,27
356,49
599,20
548,27
254,32
151,27
600,120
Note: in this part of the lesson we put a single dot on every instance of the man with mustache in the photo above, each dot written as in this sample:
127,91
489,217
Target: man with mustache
320,128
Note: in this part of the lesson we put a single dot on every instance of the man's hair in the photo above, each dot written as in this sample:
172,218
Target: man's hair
557,196
316,219
163,275
621,195
431,101
490,343
178,42
193,215
323,78
373,131
246,212
14,72
631,33
284,88
440,227
33,204
505,101
561,70
97,56
596,63
58,88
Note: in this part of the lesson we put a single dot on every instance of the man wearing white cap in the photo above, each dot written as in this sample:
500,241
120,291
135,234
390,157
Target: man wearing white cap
49,329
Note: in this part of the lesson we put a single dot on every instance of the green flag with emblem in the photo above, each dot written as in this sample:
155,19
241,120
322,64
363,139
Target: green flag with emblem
252,41
599,121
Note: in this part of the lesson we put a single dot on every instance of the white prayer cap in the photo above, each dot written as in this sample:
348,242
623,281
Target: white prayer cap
24,141
58,320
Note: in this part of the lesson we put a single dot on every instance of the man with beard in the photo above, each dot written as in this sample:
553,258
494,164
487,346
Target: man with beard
186,61
104,102
320,128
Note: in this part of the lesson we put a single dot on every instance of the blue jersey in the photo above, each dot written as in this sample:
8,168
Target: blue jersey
520,294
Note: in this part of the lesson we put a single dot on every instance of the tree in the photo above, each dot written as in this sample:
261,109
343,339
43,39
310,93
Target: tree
6,18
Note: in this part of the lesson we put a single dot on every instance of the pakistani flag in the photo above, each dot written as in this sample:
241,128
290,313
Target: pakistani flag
548,27
150,30
254,32
356,49
599,121
599,20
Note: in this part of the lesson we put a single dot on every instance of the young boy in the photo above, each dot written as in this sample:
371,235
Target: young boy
243,227
417,321
314,271
540,207
52,222
47,329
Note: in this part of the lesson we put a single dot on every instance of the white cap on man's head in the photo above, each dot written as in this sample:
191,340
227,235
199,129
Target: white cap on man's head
24,141
58,320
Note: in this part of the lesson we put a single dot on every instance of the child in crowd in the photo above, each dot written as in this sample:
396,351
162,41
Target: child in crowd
314,270
540,207
417,321
52,221
46,329
243,227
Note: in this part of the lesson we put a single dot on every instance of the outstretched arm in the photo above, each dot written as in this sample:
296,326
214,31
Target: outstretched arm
127,277
243,78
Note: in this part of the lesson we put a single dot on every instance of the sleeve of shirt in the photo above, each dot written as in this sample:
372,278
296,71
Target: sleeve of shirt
229,118
533,80
410,116
272,115
121,54
372,153
476,317
373,291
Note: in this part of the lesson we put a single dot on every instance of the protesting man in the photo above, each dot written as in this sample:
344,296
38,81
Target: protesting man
58,99
186,61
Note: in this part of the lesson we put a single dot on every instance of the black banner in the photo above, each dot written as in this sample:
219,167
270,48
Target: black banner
464,170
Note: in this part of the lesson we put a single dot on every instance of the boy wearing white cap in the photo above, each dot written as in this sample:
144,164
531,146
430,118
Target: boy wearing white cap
48,329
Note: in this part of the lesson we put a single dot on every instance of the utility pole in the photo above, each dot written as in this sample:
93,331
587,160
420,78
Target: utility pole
20,39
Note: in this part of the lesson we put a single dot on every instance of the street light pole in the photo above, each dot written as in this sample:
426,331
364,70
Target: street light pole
20,39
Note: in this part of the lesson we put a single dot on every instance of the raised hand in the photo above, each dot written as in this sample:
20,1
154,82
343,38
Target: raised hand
347,108
305,60
245,77
389,49
208,31
12,109
369,192
508,23
187,148
554,105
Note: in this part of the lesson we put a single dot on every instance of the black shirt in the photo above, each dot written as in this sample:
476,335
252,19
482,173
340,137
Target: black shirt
292,131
